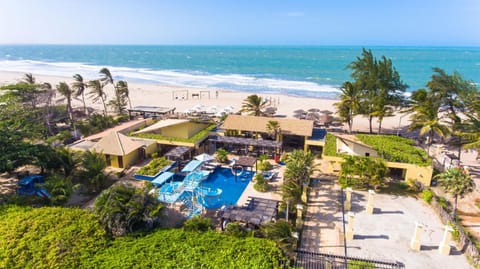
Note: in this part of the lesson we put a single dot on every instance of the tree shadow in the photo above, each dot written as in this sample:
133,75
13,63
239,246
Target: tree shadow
380,211
362,237
426,248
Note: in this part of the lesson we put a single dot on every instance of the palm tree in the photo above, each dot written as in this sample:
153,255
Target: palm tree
122,88
28,79
92,173
123,209
273,128
107,77
98,94
457,182
254,105
79,86
65,90
50,94
281,232
425,116
349,104
69,160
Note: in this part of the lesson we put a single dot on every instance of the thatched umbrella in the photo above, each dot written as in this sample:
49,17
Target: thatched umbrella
314,110
312,116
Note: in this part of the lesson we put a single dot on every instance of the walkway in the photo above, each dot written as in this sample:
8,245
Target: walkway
321,229
384,235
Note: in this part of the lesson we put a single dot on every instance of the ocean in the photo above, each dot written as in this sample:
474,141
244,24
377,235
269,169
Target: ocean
298,71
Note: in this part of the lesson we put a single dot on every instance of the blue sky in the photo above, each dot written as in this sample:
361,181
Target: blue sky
267,22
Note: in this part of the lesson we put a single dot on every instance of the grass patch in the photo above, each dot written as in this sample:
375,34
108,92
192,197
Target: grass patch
398,188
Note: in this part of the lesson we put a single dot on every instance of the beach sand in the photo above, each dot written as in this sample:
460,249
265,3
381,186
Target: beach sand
174,96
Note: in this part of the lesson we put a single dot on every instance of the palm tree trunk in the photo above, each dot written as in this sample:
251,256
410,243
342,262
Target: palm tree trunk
370,118
104,108
380,120
454,212
129,102
350,121
84,105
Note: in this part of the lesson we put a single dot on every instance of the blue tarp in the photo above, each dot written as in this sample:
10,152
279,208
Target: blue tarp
191,166
162,178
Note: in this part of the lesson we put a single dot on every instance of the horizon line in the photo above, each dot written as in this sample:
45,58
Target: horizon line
239,45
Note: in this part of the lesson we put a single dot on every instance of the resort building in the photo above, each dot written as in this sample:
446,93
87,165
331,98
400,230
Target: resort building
119,150
292,133
350,145
172,133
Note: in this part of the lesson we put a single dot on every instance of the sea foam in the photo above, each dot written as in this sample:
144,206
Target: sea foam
175,77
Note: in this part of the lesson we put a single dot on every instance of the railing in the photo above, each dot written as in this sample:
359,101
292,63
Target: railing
315,260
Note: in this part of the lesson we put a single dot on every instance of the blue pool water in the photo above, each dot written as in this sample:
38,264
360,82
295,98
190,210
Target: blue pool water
232,189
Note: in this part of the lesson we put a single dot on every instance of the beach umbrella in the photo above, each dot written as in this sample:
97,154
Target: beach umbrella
326,112
271,110
312,116
314,110
204,157
299,111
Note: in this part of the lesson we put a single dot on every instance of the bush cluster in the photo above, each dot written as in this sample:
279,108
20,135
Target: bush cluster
260,184
52,237
396,149
154,166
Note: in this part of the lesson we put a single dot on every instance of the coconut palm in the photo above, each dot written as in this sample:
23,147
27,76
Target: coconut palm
92,173
50,94
273,128
28,79
425,116
254,105
457,182
121,97
69,160
123,209
79,86
97,93
65,90
349,104
281,232
107,77
122,88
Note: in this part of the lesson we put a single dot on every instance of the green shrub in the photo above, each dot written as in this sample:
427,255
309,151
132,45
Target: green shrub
264,166
442,202
235,229
455,232
154,166
51,237
360,265
330,148
199,224
427,196
396,149
260,184
222,155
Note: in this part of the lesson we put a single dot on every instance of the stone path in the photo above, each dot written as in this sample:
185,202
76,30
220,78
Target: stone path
320,228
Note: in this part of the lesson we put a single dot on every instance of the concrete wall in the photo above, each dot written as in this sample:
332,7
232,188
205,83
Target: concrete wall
184,130
412,172
350,148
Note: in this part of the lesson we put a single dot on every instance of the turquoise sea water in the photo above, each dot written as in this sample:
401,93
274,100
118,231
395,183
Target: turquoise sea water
299,71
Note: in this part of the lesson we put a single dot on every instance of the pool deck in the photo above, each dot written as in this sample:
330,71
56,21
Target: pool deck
273,192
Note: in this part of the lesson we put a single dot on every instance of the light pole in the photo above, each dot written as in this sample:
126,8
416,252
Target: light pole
344,231
400,123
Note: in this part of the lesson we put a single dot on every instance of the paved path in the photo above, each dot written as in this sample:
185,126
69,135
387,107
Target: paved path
321,227
384,235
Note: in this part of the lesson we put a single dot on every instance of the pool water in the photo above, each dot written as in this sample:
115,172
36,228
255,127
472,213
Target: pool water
232,188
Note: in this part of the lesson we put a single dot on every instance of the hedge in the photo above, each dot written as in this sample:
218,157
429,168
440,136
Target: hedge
54,237
396,149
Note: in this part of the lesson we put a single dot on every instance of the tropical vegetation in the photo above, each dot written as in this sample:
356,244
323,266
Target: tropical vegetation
154,166
254,105
123,209
375,92
457,182
53,237
362,172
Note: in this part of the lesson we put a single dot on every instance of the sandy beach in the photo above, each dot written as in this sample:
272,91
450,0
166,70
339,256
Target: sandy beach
183,98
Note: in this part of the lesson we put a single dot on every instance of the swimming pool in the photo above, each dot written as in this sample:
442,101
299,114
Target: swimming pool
232,188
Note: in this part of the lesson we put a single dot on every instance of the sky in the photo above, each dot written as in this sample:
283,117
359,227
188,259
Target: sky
228,22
